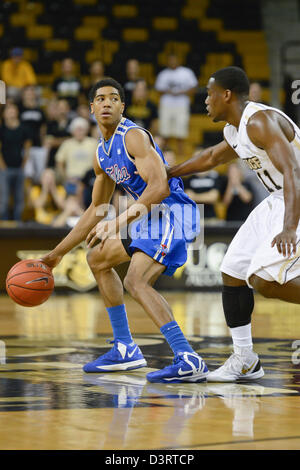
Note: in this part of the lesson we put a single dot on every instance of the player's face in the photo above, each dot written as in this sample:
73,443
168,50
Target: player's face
215,101
107,106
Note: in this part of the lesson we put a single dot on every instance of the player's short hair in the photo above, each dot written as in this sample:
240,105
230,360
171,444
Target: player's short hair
234,79
107,81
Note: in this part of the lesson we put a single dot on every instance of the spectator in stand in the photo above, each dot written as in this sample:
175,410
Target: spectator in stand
73,159
14,152
141,110
205,188
57,131
132,77
255,92
238,195
176,85
17,73
47,198
33,117
83,111
68,86
75,155
97,72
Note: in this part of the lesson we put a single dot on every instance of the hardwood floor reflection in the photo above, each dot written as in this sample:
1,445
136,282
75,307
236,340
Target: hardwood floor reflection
47,402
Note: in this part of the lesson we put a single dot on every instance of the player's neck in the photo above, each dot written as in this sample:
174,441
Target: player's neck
235,114
108,130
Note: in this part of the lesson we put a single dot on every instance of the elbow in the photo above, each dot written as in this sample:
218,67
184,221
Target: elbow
161,193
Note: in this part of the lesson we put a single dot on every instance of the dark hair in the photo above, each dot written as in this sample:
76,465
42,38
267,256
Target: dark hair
107,81
234,79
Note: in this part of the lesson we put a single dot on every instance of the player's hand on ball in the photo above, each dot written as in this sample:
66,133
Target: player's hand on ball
285,242
51,259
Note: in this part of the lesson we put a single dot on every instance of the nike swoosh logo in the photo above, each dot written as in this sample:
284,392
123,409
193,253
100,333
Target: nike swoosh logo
234,146
184,372
132,353
244,371
38,279
101,159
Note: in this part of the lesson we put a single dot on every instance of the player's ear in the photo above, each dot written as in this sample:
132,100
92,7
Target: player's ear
122,108
92,108
227,95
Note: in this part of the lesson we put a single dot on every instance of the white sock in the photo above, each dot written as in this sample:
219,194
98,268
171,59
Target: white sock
241,337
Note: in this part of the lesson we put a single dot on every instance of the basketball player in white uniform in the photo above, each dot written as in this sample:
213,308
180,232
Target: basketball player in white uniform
264,255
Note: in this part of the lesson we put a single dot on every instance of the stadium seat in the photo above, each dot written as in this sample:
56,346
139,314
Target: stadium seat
148,31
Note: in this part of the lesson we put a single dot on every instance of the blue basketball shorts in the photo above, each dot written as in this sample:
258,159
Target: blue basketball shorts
165,232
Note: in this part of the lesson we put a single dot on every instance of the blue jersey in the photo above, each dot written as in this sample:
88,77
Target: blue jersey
164,232
115,160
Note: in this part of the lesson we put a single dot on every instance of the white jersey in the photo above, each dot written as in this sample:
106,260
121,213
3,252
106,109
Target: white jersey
256,158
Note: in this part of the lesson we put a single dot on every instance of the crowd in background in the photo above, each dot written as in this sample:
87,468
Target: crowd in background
47,146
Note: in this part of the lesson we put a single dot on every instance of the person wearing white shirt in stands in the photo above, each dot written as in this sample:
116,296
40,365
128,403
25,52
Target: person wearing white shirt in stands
176,84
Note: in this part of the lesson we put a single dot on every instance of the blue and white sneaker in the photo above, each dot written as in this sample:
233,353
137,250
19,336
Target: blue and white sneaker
122,356
186,367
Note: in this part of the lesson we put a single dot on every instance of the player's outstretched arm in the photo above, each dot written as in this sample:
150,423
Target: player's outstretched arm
204,160
265,131
102,193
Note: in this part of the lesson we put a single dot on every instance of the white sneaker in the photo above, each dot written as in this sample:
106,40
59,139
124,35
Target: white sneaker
241,365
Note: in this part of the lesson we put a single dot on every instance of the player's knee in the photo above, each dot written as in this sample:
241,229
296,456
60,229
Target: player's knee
263,287
232,281
132,285
95,260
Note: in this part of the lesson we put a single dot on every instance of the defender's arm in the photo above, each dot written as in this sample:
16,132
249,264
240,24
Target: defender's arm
205,160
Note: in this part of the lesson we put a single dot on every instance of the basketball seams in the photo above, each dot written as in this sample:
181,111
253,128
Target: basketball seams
35,264
19,301
27,272
29,288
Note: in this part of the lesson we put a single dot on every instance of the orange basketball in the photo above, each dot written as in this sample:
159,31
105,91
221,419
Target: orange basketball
30,282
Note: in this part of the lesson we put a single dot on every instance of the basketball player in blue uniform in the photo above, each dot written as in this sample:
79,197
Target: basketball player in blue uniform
157,228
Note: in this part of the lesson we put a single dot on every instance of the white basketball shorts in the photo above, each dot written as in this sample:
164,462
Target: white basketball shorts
250,251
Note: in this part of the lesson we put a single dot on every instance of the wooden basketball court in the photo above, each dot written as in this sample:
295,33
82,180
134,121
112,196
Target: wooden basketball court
48,403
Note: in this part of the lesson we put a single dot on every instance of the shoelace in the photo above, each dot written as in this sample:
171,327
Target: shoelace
110,353
176,360
179,357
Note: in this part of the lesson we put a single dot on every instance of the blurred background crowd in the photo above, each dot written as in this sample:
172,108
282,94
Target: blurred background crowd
48,136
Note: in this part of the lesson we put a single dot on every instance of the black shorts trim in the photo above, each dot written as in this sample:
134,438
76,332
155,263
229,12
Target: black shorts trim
126,242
